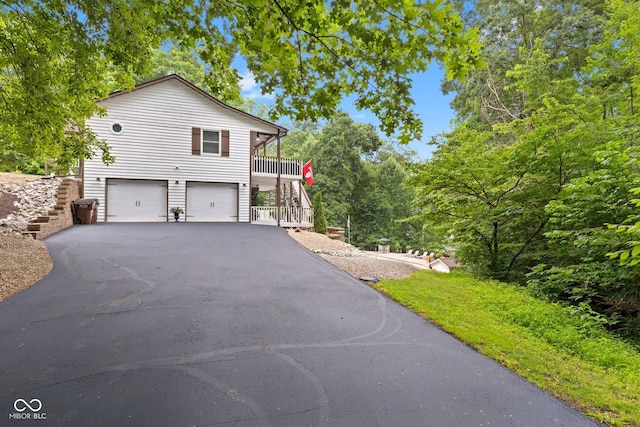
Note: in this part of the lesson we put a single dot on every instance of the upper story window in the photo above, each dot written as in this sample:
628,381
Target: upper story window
210,141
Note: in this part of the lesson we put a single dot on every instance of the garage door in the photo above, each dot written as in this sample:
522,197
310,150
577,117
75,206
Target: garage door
212,202
131,200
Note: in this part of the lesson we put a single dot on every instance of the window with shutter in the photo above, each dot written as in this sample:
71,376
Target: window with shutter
206,141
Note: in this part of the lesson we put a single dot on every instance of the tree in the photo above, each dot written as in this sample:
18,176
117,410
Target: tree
55,57
174,60
596,214
186,63
523,131
509,31
319,221
535,183
384,210
337,160
361,175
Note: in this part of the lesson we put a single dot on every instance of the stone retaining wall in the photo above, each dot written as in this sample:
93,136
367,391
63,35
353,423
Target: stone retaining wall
58,218
40,208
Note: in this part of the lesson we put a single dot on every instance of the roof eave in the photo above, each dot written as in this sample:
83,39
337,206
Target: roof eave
281,131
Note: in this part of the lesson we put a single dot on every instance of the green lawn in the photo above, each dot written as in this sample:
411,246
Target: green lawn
570,356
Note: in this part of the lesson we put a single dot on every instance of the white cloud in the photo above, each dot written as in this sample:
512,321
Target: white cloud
250,88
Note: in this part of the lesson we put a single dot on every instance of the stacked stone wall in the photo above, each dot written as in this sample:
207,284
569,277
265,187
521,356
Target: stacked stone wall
43,206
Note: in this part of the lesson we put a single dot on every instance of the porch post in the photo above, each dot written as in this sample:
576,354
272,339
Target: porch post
278,166
300,207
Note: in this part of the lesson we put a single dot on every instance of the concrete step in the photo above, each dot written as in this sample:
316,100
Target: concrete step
42,219
33,226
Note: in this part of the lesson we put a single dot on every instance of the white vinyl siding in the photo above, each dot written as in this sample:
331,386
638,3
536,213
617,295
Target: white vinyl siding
156,143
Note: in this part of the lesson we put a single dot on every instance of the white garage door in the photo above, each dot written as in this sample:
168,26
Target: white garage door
212,202
130,200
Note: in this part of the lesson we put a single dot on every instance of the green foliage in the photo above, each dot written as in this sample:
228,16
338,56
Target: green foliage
564,350
319,220
579,269
534,181
58,57
361,176
174,60
631,256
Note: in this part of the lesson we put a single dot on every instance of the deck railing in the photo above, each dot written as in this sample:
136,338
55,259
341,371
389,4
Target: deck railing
268,166
289,216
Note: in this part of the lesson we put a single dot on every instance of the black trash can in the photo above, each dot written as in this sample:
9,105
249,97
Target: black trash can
86,211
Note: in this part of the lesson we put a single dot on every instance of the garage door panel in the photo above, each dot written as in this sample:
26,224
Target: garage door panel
212,202
136,201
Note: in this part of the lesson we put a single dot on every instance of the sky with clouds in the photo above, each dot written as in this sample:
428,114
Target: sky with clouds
430,104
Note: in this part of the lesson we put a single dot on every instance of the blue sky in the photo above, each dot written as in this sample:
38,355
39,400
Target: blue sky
430,104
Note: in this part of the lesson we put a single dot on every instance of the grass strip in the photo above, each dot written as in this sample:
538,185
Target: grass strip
572,357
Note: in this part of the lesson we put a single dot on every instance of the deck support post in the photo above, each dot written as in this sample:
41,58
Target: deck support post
278,195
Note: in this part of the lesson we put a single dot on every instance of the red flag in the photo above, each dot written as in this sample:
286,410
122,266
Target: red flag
307,172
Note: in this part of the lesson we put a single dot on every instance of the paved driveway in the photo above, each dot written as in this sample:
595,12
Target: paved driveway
234,324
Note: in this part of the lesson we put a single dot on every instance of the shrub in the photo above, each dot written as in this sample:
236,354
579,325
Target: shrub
319,220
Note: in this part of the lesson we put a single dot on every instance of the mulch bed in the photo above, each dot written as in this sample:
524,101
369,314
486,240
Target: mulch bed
6,204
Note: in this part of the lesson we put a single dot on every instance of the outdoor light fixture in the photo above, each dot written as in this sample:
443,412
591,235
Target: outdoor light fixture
177,182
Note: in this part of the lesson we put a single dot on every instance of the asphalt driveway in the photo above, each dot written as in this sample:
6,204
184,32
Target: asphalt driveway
235,325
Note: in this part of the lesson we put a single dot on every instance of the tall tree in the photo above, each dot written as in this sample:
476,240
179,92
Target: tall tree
55,55
582,230
337,159
521,133
544,154
359,175
187,63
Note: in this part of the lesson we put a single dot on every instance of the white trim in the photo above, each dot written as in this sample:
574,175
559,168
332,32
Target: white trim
202,141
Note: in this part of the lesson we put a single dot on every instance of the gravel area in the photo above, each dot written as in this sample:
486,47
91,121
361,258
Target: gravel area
17,178
350,258
23,262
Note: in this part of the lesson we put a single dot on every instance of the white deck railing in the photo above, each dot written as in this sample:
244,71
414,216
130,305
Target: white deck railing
289,216
268,166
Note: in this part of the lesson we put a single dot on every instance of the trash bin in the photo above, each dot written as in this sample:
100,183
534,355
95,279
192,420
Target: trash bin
86,210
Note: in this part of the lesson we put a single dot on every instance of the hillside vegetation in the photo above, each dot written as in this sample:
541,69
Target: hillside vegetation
559,348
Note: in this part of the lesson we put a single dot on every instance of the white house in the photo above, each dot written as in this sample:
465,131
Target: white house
443,265
177,146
